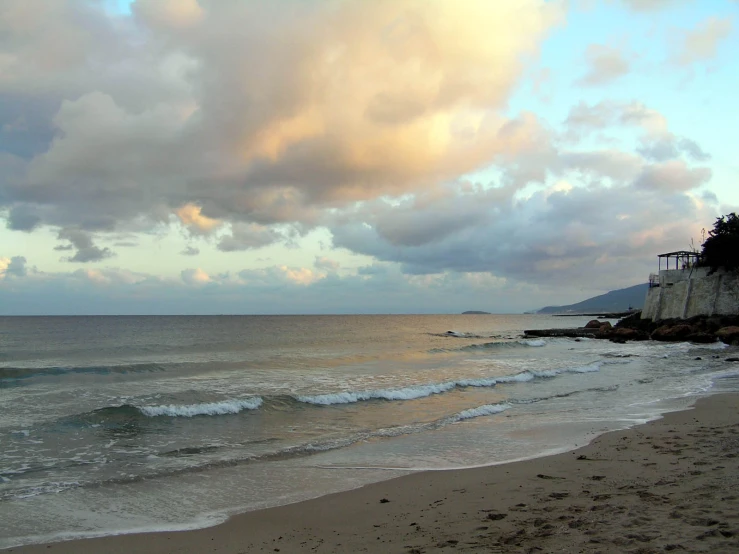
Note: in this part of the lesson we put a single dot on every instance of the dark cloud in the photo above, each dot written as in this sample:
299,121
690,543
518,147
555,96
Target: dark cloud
25,123
23,218
83,243
672,175
248,237
609,233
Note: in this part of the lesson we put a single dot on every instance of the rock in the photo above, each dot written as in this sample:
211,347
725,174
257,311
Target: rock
624,333
593,324
605,326
701,337
732,359
677,332
728,335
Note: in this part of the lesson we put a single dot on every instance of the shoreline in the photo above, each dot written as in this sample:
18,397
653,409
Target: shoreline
669,484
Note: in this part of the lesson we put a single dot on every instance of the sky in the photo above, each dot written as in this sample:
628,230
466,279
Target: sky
356,156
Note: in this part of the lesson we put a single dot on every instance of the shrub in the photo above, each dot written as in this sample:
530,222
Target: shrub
721,248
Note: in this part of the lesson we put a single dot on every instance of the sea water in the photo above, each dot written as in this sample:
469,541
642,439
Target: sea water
122,424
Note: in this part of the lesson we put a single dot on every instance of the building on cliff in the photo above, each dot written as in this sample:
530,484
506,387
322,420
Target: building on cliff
684,289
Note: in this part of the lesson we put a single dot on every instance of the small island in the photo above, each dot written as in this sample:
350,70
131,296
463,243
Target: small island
475,312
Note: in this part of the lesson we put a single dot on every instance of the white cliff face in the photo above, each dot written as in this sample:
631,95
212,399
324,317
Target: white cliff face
684,293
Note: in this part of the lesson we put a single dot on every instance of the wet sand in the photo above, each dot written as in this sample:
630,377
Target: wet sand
671,485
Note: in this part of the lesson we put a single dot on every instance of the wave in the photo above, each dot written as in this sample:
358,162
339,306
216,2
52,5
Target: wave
289,452
481,411
405,393
224,407
422,391
491,345
462,335
11,374
129,414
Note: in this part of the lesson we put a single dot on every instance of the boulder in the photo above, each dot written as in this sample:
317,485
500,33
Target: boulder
605,326
677,332
593,324
624,333
728,335
701,337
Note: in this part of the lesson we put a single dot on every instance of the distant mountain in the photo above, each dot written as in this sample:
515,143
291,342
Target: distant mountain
475,312
614,301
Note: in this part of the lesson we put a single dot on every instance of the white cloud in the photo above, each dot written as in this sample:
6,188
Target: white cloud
701,43
652,5
191,217
605,65
195,276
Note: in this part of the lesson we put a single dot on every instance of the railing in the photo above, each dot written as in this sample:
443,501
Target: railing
653,280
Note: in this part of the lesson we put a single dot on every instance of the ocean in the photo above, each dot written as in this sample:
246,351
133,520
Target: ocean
122,424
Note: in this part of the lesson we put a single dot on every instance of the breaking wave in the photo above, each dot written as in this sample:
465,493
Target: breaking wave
210,408
422,391
481,411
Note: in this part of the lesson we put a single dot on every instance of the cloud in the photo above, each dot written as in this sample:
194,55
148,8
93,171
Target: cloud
322,262
652,5
248,236
265,291
202,116
701,43
672,175
22,218
558,235
83,243
191,217
190,251
586,117
16,267
174,14
656,144
204,111
13,267
669,147
195,277
605,65
106,277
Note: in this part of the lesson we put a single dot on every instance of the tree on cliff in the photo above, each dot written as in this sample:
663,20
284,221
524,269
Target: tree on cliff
721,248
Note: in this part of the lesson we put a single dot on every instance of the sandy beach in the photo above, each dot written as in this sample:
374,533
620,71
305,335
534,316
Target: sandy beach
669,485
